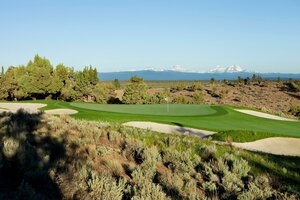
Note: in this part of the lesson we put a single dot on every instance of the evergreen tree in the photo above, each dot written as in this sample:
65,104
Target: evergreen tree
135,91
2,72
39,77
116,84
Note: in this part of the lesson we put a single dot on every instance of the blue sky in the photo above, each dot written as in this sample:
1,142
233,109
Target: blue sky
259,35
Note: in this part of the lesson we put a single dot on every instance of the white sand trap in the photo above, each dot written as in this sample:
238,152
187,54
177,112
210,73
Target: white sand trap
13,107
273,145
61,111
165,128
264,115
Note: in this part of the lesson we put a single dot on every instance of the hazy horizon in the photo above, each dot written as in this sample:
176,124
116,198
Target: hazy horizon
260,36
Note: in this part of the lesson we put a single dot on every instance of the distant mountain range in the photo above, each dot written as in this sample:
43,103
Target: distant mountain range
179,73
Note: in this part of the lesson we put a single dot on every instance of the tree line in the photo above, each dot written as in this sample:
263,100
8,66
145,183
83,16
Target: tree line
39,80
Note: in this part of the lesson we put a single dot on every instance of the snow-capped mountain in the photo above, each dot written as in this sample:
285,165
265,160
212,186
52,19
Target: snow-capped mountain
230,69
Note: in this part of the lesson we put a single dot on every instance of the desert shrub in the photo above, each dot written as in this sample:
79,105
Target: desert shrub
295,110
157,98
114,166
112,135
101,186
223,93
239,166
172,183
219,166
232,183
10,147
102,150
198,97
209,173
197,85
179,99
133,150
151,157
171,141
208,151
148,191
259,189
210,189
293,86
178,161
179,86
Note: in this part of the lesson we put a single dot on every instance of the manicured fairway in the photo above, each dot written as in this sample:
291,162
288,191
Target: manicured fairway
223,118
154,109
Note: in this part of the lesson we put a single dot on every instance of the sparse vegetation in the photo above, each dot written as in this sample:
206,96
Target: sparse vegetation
70,160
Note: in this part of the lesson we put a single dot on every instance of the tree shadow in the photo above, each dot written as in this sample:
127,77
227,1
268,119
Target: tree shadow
29,157
188,131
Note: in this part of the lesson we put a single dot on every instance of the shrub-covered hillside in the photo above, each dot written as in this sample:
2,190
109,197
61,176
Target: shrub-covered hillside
45,157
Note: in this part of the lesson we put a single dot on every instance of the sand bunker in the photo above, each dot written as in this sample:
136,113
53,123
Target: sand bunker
165,128
33,108
61,112
264,115
274,145
13,107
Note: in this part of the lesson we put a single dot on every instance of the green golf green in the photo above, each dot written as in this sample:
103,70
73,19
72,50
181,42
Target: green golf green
151,109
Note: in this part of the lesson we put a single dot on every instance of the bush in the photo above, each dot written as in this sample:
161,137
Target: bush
10,147
198,97
157,98
239,167
197,85
208,152
210,189
295,110
178,161
179,100
148,191
101,186
114,166
232,183
259,189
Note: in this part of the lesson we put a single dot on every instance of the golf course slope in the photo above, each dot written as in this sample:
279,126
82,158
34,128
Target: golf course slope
165,128
273,145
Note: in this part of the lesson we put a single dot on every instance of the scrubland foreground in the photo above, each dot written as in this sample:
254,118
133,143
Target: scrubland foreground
48,157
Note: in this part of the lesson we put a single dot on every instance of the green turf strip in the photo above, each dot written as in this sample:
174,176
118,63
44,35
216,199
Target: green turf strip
243,136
